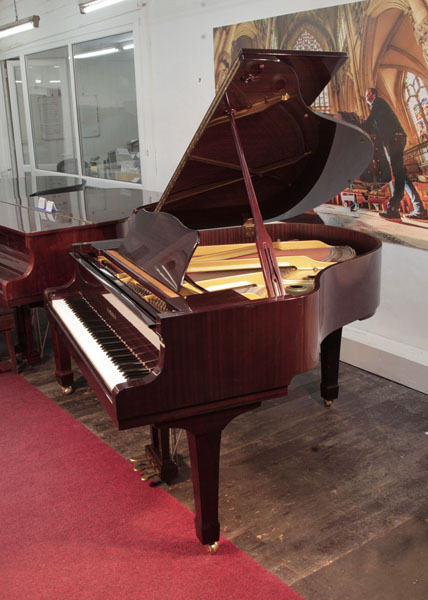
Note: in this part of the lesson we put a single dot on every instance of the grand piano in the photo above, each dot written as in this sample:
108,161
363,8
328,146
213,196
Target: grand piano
35,243
218,296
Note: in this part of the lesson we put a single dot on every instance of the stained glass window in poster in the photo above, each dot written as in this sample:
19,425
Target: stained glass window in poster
307,41
417,100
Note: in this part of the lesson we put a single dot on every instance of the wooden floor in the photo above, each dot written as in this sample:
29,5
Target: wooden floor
333,501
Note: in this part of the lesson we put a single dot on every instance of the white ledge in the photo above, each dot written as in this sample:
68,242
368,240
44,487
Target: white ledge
388,358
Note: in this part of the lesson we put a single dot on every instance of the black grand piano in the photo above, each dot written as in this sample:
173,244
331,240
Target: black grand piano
213,302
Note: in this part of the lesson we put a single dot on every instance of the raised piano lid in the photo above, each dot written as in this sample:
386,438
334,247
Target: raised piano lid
297,158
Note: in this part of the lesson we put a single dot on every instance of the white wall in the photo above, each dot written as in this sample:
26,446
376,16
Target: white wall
175,85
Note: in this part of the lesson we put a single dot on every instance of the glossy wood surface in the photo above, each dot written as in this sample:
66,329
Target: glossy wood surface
35,245
225,356
296,156
48,259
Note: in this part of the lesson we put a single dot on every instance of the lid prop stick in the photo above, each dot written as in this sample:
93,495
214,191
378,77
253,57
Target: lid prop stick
270,268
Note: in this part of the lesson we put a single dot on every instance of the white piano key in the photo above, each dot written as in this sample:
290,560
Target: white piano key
103,364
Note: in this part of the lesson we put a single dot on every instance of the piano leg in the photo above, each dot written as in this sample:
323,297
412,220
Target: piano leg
204,437
159,454
330,353
24,329
63,371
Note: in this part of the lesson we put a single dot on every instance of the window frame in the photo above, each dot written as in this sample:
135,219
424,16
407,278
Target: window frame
87,36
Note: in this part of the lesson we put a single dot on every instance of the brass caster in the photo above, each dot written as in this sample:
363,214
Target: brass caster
212,548
67,390
328,403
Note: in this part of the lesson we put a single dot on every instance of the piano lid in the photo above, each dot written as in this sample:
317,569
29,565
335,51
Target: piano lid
298,158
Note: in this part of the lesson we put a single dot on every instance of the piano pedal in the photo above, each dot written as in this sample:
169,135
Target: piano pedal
138,459
149,475
138,468
142,464
67,390
139,463
212,548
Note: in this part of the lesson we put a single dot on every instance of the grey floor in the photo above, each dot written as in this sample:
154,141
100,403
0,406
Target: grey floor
333,501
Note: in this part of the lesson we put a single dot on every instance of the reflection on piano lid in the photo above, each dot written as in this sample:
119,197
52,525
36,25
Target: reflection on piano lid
50,184
35,244
15,188
218,304
20,210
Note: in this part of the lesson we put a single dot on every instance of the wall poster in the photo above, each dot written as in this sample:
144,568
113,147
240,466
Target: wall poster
383,87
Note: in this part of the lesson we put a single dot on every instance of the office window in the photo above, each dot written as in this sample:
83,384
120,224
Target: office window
107,108
48,83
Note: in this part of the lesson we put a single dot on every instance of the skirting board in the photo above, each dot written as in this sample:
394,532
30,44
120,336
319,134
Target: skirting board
390,359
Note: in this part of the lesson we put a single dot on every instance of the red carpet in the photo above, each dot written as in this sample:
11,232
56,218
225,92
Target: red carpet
76,522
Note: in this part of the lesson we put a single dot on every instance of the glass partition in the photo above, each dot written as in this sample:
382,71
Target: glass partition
48,82
107,109
17,79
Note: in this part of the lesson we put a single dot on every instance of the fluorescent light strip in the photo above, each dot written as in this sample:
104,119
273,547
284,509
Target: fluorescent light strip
128,47
97,53
86,7
19,26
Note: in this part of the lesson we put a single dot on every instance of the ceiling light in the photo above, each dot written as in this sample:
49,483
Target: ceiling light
128,47
97,53
19,26
91,5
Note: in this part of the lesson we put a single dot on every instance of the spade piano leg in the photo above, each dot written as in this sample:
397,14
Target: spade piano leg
204,437
63,371
330,353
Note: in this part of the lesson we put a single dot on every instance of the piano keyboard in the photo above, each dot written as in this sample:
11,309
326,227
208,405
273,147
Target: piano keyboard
110,356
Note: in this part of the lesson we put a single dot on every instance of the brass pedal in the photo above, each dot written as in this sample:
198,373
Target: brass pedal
139,467
149,475
139,459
